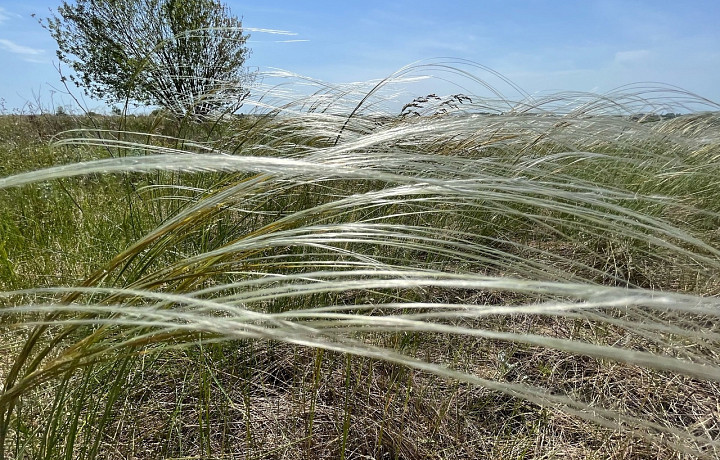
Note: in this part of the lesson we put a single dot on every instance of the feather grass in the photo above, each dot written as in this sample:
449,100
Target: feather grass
327,223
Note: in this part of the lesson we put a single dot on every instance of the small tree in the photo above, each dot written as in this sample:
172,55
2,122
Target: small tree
185,55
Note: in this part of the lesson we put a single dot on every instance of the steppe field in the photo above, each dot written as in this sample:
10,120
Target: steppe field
322,277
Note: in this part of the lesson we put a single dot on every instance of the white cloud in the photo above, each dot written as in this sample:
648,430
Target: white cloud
13,47
5,15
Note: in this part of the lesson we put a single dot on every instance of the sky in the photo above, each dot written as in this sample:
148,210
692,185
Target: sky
542,46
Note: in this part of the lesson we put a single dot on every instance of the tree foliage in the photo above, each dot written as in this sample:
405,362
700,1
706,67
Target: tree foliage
185,55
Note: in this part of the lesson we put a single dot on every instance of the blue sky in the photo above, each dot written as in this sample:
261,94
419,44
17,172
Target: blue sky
540,45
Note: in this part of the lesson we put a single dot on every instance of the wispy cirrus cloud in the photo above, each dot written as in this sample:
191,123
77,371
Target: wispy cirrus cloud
27,53
5,15
13,47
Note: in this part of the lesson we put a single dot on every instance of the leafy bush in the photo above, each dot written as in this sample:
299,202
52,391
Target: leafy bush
185,55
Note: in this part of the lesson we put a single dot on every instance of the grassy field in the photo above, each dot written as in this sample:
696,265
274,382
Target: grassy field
464,281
